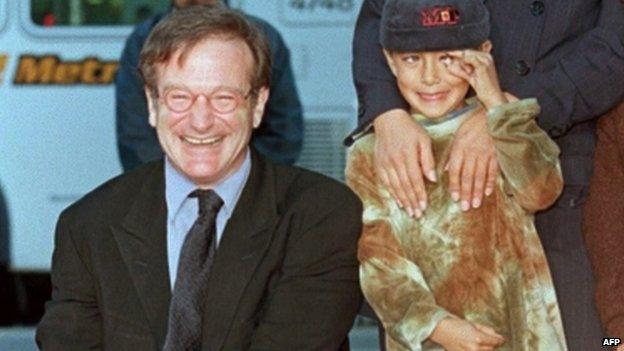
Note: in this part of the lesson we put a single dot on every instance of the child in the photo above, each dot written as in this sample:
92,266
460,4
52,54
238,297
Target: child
475,280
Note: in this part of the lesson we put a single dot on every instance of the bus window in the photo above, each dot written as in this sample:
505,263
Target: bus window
50,13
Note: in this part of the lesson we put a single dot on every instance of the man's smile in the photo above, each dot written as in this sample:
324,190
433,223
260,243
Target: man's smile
202,141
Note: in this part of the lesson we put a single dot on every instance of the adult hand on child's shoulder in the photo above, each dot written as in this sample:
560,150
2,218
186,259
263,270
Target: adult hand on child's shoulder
472,164
456,334
403,155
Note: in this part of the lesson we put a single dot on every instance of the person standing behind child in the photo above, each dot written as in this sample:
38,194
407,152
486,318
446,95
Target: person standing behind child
475,280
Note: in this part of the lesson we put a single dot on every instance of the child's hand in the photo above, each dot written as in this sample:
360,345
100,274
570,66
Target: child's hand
456,334
477,67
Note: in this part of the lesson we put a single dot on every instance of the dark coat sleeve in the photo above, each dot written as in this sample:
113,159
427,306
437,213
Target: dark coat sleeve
72,320
376,86
319,278
585,83
603,221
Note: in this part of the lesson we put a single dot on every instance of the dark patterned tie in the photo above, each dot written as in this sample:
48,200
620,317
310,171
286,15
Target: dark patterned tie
189,292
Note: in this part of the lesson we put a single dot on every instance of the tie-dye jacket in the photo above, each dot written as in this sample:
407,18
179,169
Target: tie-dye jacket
486,265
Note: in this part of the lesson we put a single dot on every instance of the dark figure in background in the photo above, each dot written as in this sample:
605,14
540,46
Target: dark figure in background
567,53
280,137
215,247
603,222
7,298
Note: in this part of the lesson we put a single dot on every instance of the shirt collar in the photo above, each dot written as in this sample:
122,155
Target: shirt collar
178,187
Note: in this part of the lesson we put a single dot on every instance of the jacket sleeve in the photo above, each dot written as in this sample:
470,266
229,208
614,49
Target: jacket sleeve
280,135
72,319
528,158
376,87
585,83
136,139
317,295
392,283
602,221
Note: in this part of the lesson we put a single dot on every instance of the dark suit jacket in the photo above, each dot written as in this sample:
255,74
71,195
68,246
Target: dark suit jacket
285,276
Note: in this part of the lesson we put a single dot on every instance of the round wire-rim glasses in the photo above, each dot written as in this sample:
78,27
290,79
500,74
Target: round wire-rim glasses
222,100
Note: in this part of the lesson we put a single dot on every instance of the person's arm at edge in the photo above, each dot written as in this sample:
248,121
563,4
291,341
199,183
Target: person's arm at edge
375,85
603,227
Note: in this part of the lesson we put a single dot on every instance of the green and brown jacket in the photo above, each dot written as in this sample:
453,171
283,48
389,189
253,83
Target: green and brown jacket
486,265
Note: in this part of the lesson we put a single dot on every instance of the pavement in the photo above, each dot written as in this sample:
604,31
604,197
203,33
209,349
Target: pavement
362,338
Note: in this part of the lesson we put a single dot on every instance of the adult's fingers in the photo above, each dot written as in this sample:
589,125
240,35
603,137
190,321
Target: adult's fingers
467,180
453,167
427,161
410,176
480,176
398,190
385,180
492,174
426,169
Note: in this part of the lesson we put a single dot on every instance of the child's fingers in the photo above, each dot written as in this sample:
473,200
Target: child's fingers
488,330
475,60
456,70
485,339
491,333
472,57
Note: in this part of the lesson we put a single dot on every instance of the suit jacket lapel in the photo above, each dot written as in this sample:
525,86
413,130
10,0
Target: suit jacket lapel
246,237
141,239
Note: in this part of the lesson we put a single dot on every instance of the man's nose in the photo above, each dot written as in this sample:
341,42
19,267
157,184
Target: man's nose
201,114
430,74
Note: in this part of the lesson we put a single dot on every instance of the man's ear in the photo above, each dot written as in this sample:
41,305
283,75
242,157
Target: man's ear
258,109
151,105
390,61
486,46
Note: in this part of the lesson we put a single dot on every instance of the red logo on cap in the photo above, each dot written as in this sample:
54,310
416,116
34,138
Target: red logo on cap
439,16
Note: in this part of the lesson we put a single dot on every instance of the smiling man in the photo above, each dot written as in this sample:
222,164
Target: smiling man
214,247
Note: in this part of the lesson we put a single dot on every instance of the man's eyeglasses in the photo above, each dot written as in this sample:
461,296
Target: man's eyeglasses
222,100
